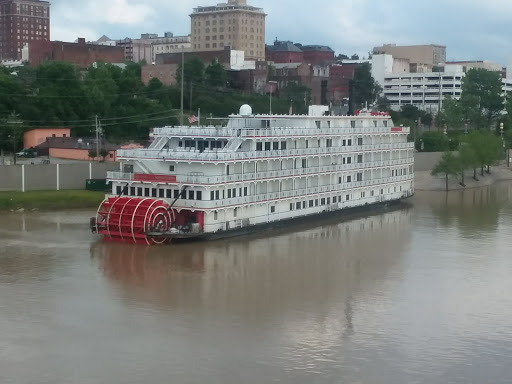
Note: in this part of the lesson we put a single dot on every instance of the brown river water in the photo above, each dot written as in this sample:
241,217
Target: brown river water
421,294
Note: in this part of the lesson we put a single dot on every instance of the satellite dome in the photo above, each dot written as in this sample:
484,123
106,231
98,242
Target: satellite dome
245,110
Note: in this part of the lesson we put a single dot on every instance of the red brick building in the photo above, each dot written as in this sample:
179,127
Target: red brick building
284,52
22,22
81,54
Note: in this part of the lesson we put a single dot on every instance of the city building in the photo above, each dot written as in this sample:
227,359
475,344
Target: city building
149,45
81,54
234,24
425,90
34,137
288,52
246,75
422,58
22,22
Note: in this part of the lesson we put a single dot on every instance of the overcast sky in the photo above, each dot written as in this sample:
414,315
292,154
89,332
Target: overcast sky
471,29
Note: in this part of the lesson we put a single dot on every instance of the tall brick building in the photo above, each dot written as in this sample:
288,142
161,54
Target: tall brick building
22,22
234,24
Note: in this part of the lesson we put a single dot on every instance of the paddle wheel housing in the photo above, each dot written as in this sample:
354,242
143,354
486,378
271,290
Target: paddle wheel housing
128,220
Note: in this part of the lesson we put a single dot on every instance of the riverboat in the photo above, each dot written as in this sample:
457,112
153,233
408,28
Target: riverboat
253,172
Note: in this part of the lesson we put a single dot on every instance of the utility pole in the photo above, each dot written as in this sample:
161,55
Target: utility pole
182,80
190,107
97,138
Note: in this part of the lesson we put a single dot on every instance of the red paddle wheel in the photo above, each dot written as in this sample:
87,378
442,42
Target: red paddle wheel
128,220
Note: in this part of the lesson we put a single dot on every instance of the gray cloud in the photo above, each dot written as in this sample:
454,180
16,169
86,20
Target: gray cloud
471,29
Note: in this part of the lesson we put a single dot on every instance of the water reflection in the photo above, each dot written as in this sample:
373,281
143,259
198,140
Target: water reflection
322,266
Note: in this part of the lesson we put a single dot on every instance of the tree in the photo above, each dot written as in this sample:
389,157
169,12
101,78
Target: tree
216,74
366,89
487,148
448,166
467,159
355,56
341,56
193,71
452,114
481,99
92,153
435,142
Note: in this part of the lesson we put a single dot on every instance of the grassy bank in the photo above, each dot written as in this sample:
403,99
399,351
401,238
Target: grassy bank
50,200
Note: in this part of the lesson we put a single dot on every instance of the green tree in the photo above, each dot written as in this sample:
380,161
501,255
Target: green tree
366,89
452,114
467,160
448,166
215,75
481,99
355,56
487,148
194,72
435,142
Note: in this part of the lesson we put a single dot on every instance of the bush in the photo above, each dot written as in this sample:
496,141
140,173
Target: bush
435,142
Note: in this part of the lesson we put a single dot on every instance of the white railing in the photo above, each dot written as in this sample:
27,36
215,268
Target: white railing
313,192
272,174
277,132
218,156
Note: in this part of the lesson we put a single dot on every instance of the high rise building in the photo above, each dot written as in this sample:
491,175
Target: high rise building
234,24
422,57
21,22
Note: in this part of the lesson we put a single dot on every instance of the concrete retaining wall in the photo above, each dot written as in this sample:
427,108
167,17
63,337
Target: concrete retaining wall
51,176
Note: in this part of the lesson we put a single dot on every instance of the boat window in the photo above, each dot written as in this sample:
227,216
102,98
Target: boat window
322,201
176,194
267,146
328,200
311,203
259,146
119,190
291,206
215,215
375,123
359,141
352,123
385,123
359,177
334,199
212,195
349,179
359,158
153,192
229,193
349,142
265,123
272,209
347,197
132,191
316,202
297,205
344,143
283,145
275,145
317,122
235,212
217,195
139,191
171,168
191,195
180,144
161,193
329,123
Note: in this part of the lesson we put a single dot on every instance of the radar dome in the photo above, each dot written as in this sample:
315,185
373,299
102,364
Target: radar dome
245,110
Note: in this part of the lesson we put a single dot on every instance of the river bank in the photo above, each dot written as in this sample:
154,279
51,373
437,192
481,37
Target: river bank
424,181
50,200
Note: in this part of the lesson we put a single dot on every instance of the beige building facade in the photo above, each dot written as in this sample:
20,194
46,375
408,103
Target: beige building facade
421,57
234,24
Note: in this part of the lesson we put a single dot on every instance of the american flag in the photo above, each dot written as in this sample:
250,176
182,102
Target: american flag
192,119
